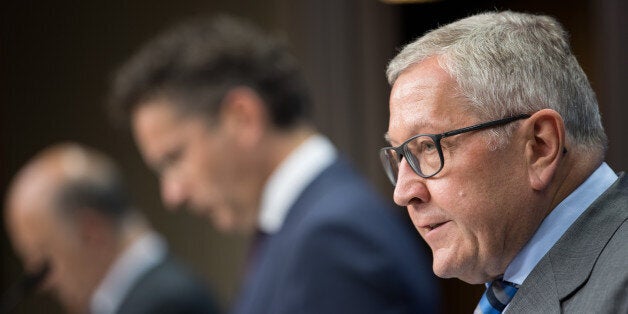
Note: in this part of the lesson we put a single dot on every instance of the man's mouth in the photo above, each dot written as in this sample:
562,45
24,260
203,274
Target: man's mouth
431,227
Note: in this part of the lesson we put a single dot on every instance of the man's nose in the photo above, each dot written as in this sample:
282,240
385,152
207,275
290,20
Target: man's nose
47,279
173,193
409,186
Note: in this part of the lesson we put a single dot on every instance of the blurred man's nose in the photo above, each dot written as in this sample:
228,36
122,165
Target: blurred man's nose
173,193
410,186
48,282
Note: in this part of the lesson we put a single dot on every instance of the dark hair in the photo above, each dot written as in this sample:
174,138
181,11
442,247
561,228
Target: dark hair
197,62
97,184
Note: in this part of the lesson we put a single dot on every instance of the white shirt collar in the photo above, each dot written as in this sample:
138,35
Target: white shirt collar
290,178
138,258
557,222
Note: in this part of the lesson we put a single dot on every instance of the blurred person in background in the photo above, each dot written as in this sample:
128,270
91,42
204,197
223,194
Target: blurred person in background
68,210
499,158
219,111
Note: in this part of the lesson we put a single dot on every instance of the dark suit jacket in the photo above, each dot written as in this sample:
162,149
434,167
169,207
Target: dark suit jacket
341,249
587,270
167,288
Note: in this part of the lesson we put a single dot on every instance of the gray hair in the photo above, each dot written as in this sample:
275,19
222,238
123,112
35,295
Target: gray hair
508,63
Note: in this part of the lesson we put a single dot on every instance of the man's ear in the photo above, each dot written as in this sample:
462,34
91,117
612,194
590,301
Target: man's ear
244,117
93,228
545,137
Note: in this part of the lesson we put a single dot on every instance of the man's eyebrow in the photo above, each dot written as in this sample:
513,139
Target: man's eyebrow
421,124
158,166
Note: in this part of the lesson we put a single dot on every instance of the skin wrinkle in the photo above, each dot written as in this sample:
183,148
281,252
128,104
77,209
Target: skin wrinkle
497,185
467,248
415,92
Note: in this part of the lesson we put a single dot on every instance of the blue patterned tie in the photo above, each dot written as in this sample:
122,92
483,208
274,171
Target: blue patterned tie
496,297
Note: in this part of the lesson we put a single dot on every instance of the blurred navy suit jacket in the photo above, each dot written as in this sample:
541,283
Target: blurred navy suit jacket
168,288
341,249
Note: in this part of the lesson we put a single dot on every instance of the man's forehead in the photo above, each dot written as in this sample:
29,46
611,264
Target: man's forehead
412,106
33,183
155,125
406,88
28,218
424,99
425,74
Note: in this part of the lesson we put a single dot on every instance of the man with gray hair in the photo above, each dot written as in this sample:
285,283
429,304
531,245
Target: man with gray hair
498,155
68,211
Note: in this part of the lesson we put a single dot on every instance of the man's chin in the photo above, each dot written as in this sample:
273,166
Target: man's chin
443,266
73,307
221,223
199,212
458,272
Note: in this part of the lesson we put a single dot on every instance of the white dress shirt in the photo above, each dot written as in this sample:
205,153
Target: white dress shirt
137,259
557,222
290,178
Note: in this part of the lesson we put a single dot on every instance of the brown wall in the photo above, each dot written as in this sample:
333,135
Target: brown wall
56,57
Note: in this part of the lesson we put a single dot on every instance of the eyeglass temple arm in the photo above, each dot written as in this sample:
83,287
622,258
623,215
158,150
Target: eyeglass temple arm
485,125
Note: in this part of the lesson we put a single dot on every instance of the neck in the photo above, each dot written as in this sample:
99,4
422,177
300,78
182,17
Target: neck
578,166
110,248
122,237
275,148
282,145
132,229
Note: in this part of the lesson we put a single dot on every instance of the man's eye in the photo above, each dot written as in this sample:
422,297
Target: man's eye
427,146
169,160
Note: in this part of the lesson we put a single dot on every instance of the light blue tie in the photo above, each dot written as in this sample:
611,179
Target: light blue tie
496,297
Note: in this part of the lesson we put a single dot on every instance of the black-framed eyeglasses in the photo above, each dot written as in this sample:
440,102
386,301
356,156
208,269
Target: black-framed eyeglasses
424,153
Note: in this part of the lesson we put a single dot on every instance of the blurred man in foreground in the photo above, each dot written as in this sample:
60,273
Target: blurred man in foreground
499,157
219,111
68,210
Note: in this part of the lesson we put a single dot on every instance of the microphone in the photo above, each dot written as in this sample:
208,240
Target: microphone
22,288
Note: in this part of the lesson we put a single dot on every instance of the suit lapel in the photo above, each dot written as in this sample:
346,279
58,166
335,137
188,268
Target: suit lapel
538,292
568,265
258,290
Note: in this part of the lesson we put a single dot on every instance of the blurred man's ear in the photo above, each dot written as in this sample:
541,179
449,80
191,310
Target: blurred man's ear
93,229
244,117
544,145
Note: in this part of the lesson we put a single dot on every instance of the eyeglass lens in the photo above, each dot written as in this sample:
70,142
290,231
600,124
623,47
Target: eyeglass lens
421,153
